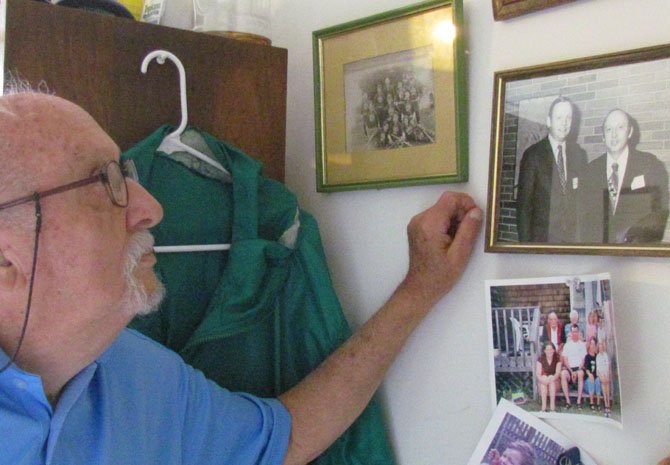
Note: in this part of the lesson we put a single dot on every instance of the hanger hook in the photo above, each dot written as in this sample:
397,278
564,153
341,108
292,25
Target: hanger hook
160,56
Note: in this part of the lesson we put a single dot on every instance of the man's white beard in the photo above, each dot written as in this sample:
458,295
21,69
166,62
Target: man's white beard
135,300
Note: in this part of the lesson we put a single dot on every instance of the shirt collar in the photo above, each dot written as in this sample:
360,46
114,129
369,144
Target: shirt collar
14,368
109,351
14,371
4,358
554,144
554,150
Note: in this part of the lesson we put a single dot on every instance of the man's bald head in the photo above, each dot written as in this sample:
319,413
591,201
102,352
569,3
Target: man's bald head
38,133
42,140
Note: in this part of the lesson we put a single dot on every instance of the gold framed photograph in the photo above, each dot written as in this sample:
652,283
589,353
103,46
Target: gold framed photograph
580,152
390,99
505,9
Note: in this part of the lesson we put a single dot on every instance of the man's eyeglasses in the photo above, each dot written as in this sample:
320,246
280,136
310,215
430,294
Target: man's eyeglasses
113,175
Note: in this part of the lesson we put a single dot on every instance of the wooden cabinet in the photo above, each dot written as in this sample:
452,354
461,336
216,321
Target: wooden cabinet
236,90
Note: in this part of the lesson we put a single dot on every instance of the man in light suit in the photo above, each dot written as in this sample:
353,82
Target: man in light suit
625,190
548,181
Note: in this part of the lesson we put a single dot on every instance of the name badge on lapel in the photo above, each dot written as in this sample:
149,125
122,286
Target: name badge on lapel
638,182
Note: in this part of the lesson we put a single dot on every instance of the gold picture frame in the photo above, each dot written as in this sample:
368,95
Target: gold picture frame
390,101
505,9
529,211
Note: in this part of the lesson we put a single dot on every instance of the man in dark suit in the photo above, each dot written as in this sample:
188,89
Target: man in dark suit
625,196
548,181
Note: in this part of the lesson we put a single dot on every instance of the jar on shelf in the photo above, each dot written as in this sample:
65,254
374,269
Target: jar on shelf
239,19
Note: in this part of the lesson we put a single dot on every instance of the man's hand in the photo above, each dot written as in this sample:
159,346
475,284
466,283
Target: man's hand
441,239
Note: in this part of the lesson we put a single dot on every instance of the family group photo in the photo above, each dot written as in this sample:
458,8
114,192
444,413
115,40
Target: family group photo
553,346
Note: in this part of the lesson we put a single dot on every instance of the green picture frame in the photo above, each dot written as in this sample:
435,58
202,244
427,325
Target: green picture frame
390,99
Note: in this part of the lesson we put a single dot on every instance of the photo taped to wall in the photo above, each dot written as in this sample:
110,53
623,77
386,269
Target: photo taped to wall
553,346
514,436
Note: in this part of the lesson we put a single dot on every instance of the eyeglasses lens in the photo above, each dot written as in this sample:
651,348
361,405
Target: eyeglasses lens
130,170
117,184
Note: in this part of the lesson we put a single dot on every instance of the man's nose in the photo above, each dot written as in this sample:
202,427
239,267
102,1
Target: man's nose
143,211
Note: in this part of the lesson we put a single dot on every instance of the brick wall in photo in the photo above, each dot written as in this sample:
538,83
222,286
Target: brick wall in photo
550,297
641,89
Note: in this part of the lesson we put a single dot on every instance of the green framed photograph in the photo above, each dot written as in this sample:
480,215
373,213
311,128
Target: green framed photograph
390,101
505,9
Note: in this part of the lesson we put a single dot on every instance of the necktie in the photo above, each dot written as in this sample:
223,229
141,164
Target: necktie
613,184
561,168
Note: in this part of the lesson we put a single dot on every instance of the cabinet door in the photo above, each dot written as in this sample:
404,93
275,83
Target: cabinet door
236,90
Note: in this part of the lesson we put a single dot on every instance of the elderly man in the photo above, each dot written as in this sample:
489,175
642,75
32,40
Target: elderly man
574,352
553,331
76,261
625,195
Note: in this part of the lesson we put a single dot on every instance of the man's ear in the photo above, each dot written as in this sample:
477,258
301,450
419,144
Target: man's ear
11,271
8,273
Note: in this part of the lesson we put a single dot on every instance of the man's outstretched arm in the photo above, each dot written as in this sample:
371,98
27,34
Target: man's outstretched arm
328,400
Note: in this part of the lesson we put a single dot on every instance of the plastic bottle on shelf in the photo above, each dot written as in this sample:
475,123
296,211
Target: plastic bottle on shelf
240,19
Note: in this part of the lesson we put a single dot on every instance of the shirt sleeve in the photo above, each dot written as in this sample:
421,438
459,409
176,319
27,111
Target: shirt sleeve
222,427
160,410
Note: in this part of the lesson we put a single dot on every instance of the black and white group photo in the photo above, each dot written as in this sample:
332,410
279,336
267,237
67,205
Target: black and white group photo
389,101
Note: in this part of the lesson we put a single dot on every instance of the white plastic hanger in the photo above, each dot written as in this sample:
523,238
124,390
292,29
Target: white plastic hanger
171,143
190,248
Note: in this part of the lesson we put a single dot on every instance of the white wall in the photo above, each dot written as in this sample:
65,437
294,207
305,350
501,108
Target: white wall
437,394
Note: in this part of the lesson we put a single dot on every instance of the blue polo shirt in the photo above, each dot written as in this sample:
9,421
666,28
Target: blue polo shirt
139,403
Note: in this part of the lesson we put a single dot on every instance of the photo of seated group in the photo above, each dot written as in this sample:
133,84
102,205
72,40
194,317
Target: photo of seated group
553,348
